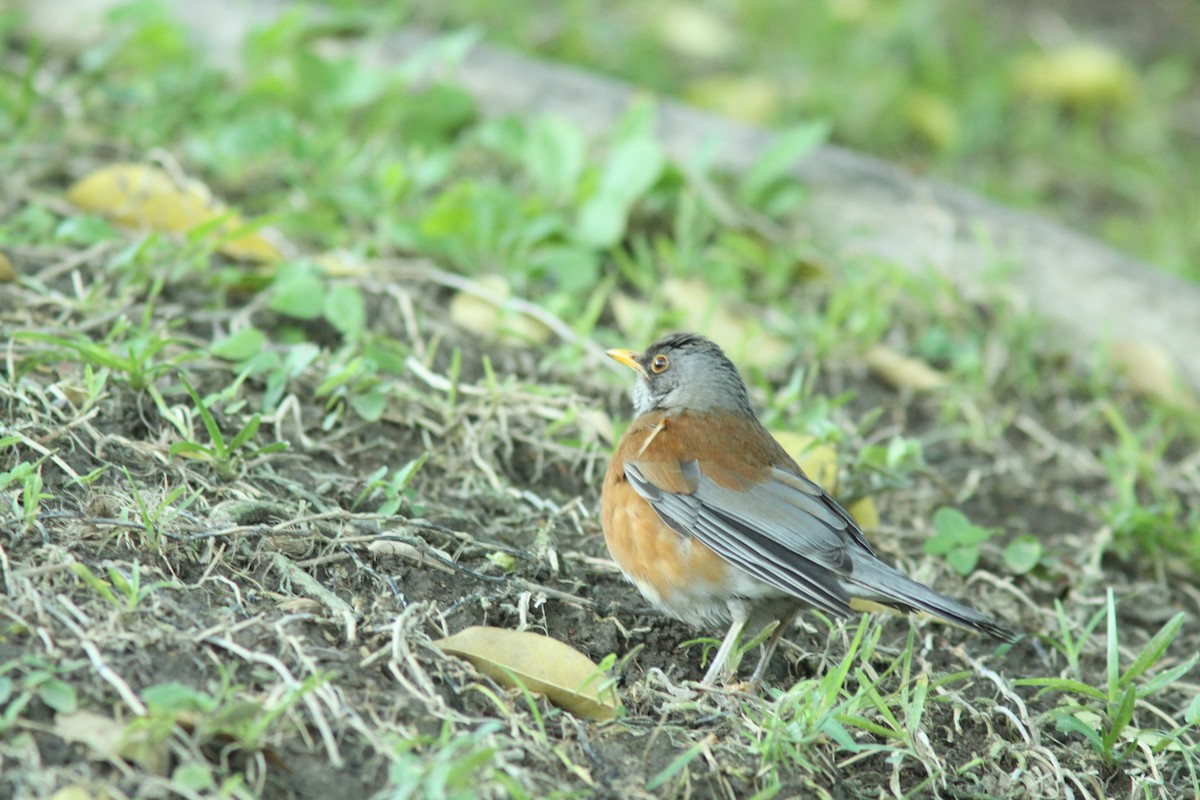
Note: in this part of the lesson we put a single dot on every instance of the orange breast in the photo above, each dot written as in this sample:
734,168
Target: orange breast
675,572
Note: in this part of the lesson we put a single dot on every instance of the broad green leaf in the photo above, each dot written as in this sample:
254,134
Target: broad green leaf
601,222
963,560
244,344
633,166
346,311
369,405
175,696
779,159
1023,553
301,297
59,695
554,155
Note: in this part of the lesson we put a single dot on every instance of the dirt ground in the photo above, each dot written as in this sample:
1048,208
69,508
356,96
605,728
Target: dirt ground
304,625
167,630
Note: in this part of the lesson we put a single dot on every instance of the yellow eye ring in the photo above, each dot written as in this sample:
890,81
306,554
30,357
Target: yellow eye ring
659,364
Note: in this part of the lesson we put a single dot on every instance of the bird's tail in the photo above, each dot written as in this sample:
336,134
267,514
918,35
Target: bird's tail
874,581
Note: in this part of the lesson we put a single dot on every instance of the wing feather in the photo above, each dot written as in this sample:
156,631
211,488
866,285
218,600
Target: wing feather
758,528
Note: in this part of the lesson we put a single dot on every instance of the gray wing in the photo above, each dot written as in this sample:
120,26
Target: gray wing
785,531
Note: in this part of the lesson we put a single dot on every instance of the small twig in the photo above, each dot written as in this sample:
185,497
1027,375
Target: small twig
6,573
522,585
32,445
424,550
1028,730
463,284
308,584
290,681
98,663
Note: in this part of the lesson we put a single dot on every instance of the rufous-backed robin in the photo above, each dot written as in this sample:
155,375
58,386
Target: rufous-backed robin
715,523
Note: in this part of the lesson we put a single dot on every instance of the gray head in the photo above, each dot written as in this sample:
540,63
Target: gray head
684,371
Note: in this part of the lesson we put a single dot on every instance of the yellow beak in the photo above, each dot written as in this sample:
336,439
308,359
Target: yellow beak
628,358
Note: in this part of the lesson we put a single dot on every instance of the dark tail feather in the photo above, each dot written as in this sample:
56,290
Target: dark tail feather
877,582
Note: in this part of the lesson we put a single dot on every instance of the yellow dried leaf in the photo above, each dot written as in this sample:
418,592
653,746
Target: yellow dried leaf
855,12
819,462
747,98
140,196
865,513
694,32
487,317
934,118
74,793
901,371
1152,373
870,606
342,265
631,314
1080,75
596,425
111,739
567,677
249,247
740,335
7,271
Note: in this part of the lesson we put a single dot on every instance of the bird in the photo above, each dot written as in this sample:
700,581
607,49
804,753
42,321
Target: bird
712,520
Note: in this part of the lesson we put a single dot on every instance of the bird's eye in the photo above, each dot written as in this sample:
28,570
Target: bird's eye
659,364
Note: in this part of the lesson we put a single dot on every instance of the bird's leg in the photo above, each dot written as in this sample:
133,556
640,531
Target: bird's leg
785,623
740,612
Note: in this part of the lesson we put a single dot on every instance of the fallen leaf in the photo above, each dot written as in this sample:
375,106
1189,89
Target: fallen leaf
871,607
1080,75
740,335
388,547
630,314
694,32
819,461
75,792
111,739
140,196
865,513
1152,373
342,265
933,117
486,315
98,731
1023,553
747,98
596,425
901,371
7,272
566,676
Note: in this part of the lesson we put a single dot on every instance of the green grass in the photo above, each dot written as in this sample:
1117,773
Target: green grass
991,97
150,440
1105,715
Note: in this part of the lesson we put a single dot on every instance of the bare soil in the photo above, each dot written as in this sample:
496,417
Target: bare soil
316,618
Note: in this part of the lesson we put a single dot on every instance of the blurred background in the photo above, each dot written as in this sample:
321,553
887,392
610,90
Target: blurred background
1085,110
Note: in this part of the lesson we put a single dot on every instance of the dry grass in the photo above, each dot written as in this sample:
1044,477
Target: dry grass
188,610
301,625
